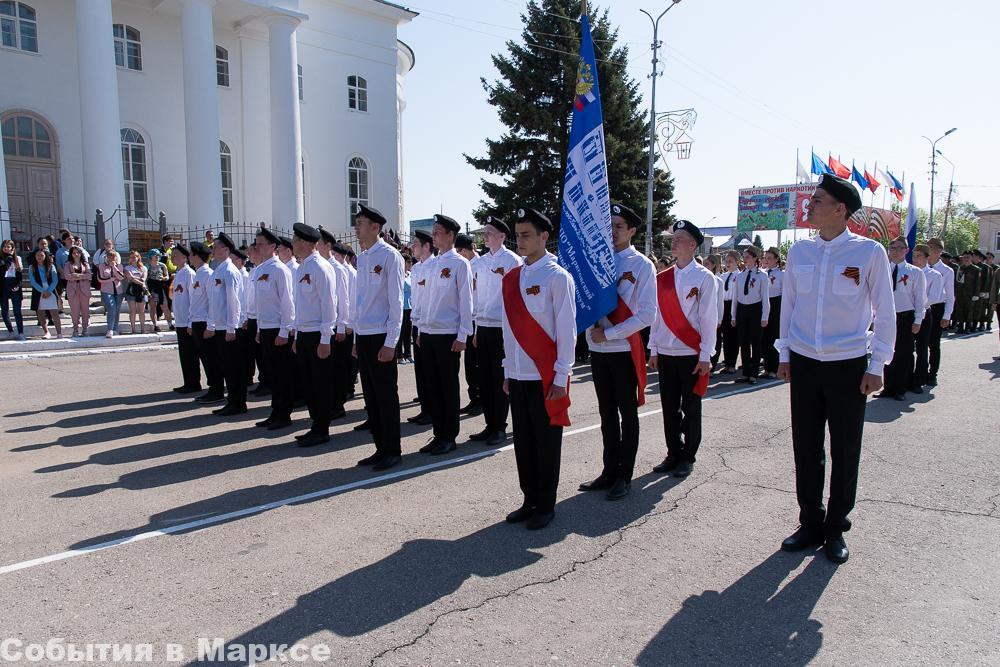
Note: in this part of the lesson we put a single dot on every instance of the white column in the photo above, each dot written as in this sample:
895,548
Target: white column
103,186
286,138
201,114
4,204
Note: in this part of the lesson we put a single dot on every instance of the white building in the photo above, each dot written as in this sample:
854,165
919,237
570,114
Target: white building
214,111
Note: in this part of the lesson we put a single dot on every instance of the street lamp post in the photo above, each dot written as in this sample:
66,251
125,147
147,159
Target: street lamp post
930,216
652,123
951,187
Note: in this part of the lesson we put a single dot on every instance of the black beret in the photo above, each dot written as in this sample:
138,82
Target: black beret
201,250
181,249
226,241
630,216
525,214
305,232
424,236
841,190
326,236
269,235
372,214
947,255
339,248
285,242
239,253
690,228
448,223
499,223
464,242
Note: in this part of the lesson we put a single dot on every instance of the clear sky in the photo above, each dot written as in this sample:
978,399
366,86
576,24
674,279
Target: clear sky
863,79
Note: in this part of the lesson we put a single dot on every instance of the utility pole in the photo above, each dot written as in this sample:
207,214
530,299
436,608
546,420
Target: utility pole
947,209
652,123
930,215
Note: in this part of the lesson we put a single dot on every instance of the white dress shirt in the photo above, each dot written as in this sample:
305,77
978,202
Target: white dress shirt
489,272
343,295
910,292
199,293
316,297
698,292
775,280
948,278
273,296
418,289
293,265
250,293
447,308
246,297
377,300
758,290
935,286
553,305
183,280
728,284
825,314
637,288
224,298
719,293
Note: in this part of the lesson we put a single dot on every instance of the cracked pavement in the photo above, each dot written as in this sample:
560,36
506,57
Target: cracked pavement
421,569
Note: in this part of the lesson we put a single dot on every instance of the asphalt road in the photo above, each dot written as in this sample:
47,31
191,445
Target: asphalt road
134,516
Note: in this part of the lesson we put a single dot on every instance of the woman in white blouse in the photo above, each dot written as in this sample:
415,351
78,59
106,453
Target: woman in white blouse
751,308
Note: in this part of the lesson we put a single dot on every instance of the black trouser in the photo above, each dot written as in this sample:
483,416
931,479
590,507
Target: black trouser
404,346
681,406
188,353
209,357
718,346
748,319
251,351
232,355
582,347
420,361
471,355
315,374
537,445
827,394
771,334
899,371
496,403
934,346
730,339
617,387
921,343
279,364
442,383
343,362
13,293
379,382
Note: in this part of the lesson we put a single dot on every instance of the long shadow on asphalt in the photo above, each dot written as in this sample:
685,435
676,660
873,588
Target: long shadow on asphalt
750,622
886,410
423,571
99,403
113,413
992,367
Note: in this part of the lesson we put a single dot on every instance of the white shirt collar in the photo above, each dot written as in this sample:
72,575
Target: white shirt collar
841,238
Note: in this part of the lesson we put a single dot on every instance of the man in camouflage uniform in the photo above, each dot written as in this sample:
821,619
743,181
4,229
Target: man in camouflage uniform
966,294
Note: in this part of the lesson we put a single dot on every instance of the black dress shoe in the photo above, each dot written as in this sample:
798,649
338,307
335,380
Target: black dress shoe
602,483
803,538
363,426
620,489
266,422
472,409
370,460
669,464
230,410
302,436
884,394
314,439
424,420
931,381
684,469
187,390
431,444
209,397
338,414
522,513
916,390
742,378
751,380
482,436
539,520
443,447
415,418
899,397
836,549
387,462
497,439
279,424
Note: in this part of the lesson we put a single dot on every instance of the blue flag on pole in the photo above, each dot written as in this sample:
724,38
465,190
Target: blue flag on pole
858,178
911,224
819,167
585,248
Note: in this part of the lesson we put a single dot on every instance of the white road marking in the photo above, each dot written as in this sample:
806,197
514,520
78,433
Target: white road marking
87,352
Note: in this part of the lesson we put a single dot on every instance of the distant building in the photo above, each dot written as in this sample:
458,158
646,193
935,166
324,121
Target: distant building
989,229
424,224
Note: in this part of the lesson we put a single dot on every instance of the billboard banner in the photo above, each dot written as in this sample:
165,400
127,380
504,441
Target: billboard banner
876,223
772,208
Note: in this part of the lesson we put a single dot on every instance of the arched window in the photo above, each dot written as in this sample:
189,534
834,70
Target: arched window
357,93
134,172
357,187
226,162
299,70
18,26
23,136
222,66
128,49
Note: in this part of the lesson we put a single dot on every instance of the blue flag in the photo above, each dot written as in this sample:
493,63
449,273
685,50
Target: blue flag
858,178
911,224
585,248
819,167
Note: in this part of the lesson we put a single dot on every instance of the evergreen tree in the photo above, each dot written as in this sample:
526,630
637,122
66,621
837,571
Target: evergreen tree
534,97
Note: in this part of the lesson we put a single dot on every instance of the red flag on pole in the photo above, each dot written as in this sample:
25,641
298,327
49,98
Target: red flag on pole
839,169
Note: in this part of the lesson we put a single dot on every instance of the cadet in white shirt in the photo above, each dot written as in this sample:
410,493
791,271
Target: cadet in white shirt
465,246
751,308
730,337
775,281
445,325
489,273
377,315
539,337
199,325
835,284
935,294
255,354
940,310
423,251
224,310
618,357
315,320
286,254
909,293
681,345
274,302
186,350
243,338
341,363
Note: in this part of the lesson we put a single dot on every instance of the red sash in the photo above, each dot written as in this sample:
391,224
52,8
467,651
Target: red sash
536,344
677,322
621,313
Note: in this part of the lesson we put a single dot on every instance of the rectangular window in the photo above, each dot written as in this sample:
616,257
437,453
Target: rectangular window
29,36
222,66
9,31
134,56
996,244
119,53
301,97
